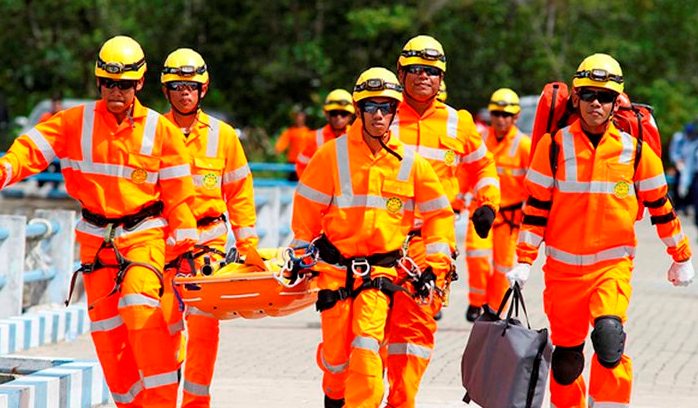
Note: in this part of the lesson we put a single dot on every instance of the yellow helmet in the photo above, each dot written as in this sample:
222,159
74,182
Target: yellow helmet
377,82
601,71
423,50
339,99
184,64
120,57
504,100
443,93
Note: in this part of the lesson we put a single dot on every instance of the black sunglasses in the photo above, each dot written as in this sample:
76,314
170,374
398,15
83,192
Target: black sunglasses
122,84
373,107
181,86
341,113
501,114
418,69
590,95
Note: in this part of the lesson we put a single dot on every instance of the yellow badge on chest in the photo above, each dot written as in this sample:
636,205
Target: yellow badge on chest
450,157
139,176
621,189
393,205
210,181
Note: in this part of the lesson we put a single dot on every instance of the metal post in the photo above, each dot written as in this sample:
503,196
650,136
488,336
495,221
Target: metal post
12,261
61,248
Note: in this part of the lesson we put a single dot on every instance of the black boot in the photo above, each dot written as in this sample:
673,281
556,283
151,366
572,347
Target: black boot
438,316
473,313
333,403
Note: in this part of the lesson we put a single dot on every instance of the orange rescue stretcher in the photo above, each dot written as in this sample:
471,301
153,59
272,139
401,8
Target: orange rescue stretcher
250,290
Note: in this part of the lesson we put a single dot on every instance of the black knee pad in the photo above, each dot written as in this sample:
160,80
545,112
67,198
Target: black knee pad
333,403
608,339
568,363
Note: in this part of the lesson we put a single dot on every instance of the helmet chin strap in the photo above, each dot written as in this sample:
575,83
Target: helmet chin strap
380,138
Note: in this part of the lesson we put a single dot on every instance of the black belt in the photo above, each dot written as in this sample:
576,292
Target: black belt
127,221
330,254
206,221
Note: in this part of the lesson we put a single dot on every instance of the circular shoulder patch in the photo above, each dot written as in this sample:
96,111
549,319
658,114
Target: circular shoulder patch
393,205
210,181
621,189
450,157
139,176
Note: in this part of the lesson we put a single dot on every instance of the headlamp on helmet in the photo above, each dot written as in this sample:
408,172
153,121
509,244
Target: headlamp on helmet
600,75
185,71
117,67
428,54
377,84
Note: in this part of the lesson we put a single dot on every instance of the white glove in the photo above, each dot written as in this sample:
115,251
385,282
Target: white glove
519,273
681,273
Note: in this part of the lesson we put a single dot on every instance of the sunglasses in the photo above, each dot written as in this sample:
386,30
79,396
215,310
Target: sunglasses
181,86
500,114
334,113
418,69
589,95
373,107
123,84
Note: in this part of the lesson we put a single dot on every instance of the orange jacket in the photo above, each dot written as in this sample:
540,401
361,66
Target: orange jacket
112,169
293,139
448,139
365,203
222,178
512,156
586,214
316,138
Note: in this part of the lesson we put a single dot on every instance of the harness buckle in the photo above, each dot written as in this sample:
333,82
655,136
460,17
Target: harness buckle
411,269
357,264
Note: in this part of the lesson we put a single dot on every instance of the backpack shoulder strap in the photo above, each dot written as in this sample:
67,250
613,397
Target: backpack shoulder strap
640,138
553,153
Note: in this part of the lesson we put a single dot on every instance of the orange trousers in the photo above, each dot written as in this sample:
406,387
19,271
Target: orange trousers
128,328
352,332
573,298
201,349
488,260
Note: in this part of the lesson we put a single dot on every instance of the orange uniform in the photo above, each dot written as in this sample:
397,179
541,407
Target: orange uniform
447,139
116,170
364,204
223,183
293,139
488,259
586,215
317,138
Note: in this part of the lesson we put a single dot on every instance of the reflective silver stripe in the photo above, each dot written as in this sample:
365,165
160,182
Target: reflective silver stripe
486,181
173,172
478,253
149,129
477,291
214,231
607,404
313,195
199,181
106,324
673,240
175,327
8,174
214,135
237,174
439,203
194,311
452,122
297,243
319,140
195,389
406,165
301,158
410,349
186,233
159,380
333,368
530,238
592,187
501,268
539,178
569,155
88,120
244,232
619,252
369,201
476,155
106,169
395,126
438,248
366,343
136,299
89,229
130,395
343,167
44,146
626,154
515,144
651,183
431,153
512,172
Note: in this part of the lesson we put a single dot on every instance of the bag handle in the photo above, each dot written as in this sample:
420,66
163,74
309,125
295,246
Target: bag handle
517,298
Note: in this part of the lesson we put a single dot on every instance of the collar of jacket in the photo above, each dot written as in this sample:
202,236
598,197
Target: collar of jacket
611,130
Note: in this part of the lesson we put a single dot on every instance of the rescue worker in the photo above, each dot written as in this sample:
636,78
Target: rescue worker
128,168
490,258
293,139
339,112
446,138
360,192
223,183
584,207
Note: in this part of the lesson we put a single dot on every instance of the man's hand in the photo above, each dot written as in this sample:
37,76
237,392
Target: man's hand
681,273
483,218
519,274
426,283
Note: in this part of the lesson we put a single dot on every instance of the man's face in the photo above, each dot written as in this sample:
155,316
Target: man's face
338,119
118,94
502,121
421,82
184,95
595,105
377,113
299,119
